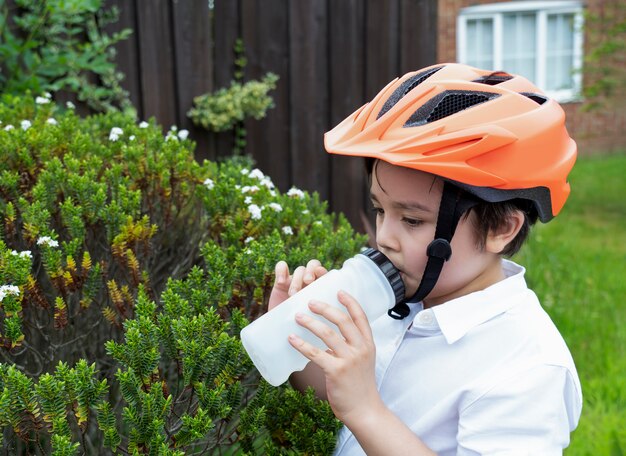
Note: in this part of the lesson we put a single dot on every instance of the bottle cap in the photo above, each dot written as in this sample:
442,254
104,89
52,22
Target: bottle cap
389,270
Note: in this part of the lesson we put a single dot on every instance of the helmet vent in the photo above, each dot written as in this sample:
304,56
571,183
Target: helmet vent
405,88
537,98
494,78
447,103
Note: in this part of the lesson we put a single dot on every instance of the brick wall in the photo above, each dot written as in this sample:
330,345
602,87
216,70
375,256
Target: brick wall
599,131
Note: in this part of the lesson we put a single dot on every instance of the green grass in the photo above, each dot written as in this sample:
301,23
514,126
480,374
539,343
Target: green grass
577,266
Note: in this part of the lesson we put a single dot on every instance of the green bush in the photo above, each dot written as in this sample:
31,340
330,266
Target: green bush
222,110
52,45
227,108
127,270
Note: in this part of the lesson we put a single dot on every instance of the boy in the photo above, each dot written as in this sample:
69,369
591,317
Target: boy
461,163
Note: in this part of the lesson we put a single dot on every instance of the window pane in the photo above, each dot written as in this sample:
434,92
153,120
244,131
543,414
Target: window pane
479,45
560,52
519,35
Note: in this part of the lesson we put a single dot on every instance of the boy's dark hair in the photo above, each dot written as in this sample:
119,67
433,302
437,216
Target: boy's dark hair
493,216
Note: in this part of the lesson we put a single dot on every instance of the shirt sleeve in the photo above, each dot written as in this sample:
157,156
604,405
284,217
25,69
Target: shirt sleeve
531,412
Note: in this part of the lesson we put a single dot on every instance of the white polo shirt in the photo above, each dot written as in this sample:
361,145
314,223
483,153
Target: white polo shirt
487,373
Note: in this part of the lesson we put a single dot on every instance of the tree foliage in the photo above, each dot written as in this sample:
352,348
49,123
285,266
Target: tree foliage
52,45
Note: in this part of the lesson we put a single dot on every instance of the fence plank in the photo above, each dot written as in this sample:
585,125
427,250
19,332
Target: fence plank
158,80
266,38
127,54
347,93
382,61
309,94
194,63
418,36
227,28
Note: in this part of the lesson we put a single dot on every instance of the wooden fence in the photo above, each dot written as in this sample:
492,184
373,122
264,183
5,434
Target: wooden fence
331,57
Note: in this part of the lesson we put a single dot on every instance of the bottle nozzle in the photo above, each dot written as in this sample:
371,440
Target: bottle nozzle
389,270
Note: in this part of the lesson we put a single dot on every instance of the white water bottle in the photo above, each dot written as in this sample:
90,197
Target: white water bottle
369,277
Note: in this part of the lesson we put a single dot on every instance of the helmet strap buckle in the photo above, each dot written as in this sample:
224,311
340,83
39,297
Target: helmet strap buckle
439,248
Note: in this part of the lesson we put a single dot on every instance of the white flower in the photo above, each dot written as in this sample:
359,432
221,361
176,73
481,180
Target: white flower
25,124
171,136
6,290
131,138
272,193
287,230
306,211
47,95
248,251
70,105
255,211
183,134
248,200
317,222
256,172
52,121
144,124
115,133
209,184
42,100
249,239
267,182
277,207
24,254
47,240
251,189
293,191
237,187
245,171
9,127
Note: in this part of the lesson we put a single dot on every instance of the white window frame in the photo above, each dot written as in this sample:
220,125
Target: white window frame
496,11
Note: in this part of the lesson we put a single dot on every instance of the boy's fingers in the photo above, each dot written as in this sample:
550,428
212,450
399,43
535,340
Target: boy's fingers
350,332
311,271
319,271
330,337
281,273
318,356
281,285
297,280
356,312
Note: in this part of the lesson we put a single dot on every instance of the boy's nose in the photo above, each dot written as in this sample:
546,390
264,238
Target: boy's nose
385,236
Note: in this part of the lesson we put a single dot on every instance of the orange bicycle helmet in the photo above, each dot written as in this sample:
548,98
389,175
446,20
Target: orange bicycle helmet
492,136
495,134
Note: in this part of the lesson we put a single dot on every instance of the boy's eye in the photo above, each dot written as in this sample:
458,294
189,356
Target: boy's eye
412,222
378,211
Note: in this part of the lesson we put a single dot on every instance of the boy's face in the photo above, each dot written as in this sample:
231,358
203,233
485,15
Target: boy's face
407,204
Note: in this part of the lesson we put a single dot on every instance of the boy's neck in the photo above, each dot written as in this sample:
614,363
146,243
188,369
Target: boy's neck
491,275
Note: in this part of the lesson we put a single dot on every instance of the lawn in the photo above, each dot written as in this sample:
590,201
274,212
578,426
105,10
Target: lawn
577,266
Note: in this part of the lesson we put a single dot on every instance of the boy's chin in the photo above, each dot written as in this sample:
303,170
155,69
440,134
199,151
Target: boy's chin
410,291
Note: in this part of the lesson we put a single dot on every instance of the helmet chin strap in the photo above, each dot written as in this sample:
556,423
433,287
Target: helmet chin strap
454,203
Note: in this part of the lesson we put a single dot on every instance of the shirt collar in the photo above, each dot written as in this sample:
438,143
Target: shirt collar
457,317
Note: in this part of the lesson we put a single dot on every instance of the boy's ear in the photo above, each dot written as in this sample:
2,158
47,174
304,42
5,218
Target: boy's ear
499,238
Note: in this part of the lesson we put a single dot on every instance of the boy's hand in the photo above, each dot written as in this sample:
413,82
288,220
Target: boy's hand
286,285
349,363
